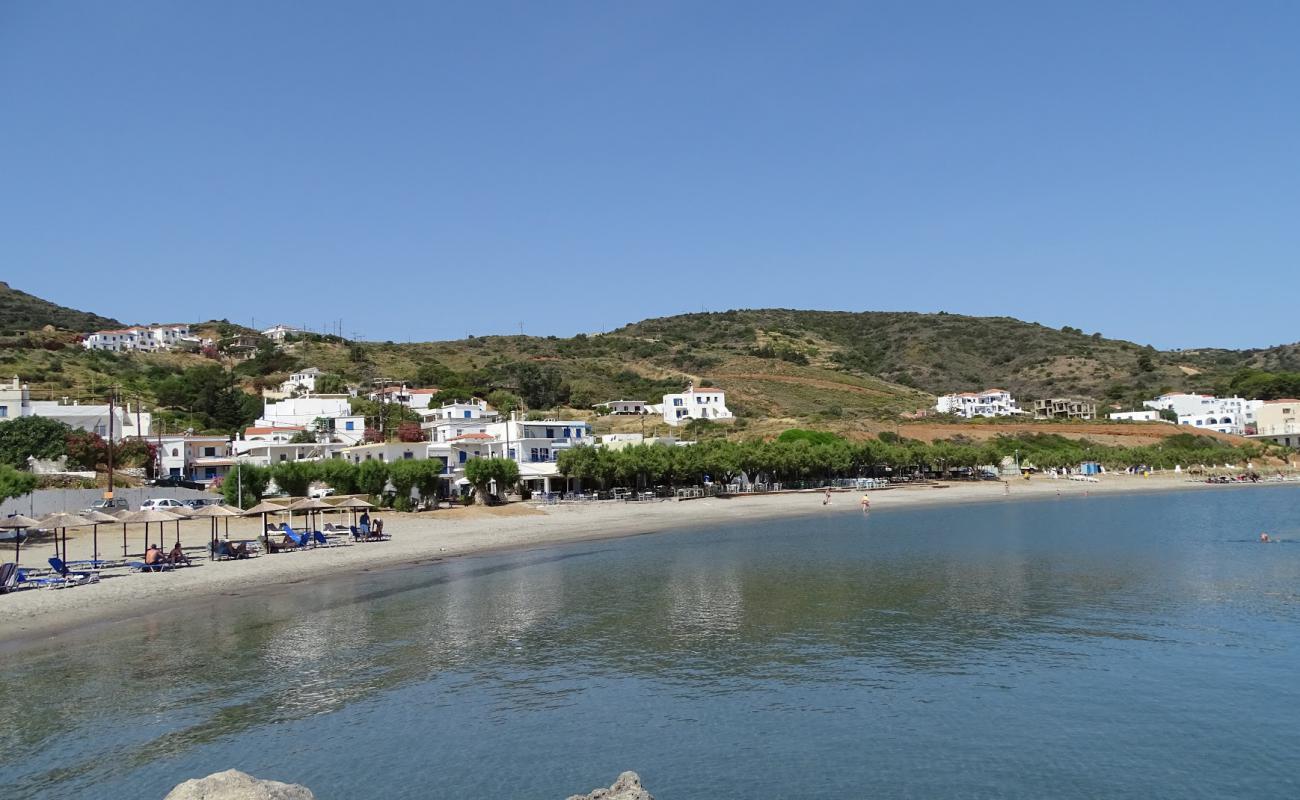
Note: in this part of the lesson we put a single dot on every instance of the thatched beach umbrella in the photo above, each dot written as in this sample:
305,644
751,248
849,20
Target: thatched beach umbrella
212,512
16,523
147,516
262,509
353,504
62,521
309,506
97,518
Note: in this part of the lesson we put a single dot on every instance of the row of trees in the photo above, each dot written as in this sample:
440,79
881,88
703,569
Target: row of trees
824,456
295,478
491,477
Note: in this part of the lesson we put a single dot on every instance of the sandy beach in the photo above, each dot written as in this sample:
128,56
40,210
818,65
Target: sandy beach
434,536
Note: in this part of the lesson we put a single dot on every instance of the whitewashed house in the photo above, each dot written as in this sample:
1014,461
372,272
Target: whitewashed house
1234,415
194,457
127,422
301,382
141,338
703,403
278,333
1149,415
416,399
386,452
337,420
988,403
624,407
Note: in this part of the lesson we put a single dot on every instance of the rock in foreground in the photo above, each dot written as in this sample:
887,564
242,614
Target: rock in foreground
627,787
235,785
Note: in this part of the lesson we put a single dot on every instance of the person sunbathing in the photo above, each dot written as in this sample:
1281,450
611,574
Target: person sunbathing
153,557
177,556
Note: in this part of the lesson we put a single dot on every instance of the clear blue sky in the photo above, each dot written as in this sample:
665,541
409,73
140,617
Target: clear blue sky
425,170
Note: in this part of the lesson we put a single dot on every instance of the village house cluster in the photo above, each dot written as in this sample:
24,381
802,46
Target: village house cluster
1274,420
298,423
145,339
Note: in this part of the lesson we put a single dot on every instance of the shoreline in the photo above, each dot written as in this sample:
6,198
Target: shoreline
433,537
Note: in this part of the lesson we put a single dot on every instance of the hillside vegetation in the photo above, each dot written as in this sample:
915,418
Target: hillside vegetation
854,373
20,312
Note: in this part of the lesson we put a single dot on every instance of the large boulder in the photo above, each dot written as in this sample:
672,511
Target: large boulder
235,785
627,787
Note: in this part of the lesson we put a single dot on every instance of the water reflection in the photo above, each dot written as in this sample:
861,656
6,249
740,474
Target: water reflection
780,621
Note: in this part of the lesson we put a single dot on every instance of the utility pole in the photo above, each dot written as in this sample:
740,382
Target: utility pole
111,414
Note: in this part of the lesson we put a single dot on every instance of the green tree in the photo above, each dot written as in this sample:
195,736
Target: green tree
253,480
330,383
15,483
39,437
339,475
372,477
403,474
294,478
483,472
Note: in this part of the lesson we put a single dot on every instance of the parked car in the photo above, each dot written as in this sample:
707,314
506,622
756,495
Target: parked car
108,506
162,504
177,482
200,502
321,492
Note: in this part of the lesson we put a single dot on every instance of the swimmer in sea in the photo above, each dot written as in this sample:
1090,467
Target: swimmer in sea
1263,539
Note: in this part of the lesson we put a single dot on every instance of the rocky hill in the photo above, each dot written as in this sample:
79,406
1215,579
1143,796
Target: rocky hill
20,312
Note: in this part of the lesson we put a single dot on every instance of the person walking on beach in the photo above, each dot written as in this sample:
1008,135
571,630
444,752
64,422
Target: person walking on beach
827,500
866,504
1006,488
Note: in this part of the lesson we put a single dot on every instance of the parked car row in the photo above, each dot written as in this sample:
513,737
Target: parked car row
120,504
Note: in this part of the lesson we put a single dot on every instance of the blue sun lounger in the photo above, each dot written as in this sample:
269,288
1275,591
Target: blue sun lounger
65,571
299,539
324,541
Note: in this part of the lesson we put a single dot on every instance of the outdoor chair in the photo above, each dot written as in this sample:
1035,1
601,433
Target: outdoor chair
44,582
8,577
140,566
299,539
82,576
324,541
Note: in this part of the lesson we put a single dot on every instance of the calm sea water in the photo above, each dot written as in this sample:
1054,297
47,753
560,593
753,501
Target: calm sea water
1143,647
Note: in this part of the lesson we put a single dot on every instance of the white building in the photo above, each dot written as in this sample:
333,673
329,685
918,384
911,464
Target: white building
710,404
264,452
462,431
337,421
988,403
624,407
301,382
1278,421
386,452
417,399
278,333
143,338
15,402
1149,415
195,458
1233,415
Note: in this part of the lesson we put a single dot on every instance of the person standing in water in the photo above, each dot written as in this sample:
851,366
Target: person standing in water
866,504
